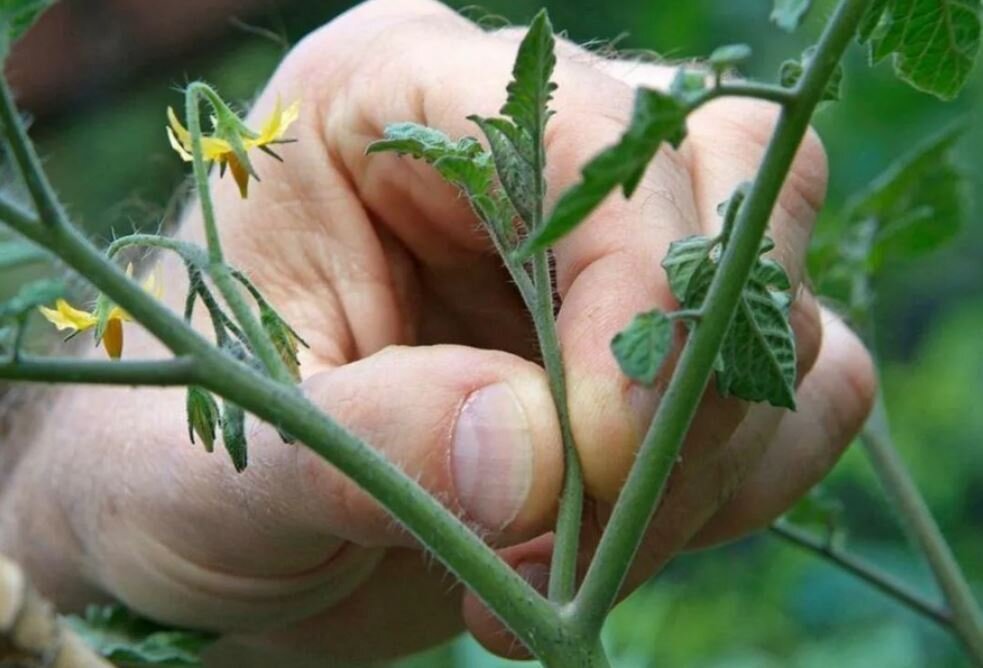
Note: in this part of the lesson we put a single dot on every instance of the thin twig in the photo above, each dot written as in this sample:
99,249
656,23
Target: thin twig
867,572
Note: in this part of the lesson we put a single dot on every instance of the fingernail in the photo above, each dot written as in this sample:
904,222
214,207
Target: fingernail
536,574
491,456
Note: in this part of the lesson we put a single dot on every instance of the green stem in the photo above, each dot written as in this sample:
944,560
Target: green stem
865,571
195,91
176,371
42,194
923,531
762,91
218,271
531,617
660,448
187,251
566,544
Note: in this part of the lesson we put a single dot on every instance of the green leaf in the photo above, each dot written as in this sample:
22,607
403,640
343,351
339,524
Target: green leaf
30,297
16,253
918,204
124,638
933,43
682,261
516,141
757,358
642,347
725,57
788,14
530,91
511,149
871,20
792,70
16,16
203,416
234,435
464,164
758,351
657,118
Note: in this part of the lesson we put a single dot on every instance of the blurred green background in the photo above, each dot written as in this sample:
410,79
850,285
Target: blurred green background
757,603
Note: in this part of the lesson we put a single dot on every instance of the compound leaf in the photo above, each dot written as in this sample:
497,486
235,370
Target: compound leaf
124,638
511,148
933,43
788,14
657,118
642,347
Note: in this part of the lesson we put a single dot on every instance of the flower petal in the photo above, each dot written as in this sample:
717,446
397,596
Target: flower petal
277,124
66,316
240,175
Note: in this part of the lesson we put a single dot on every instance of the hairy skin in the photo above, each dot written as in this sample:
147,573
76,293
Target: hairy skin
384,271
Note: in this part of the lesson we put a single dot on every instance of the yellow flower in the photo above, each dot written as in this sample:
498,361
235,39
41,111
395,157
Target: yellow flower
65,316
217,149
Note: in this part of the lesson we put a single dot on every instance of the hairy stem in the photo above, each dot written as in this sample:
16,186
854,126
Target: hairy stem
923,531
176,371
867,572
660,448
566,546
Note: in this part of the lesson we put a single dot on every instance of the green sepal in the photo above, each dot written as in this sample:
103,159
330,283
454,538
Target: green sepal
234,435
204,417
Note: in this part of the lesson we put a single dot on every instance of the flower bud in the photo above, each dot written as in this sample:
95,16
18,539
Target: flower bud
203,417
284,338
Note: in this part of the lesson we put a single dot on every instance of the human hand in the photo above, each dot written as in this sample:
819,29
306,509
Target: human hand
420,345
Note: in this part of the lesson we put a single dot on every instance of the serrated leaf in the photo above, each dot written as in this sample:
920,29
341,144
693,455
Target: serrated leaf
870,21
234,435
17,253
757,358
725,57
511,149
642,347
933,43
124,638
682,261
464,164
918,204
792,70
758,351
530,91
30,297
657,118
788,14
16,16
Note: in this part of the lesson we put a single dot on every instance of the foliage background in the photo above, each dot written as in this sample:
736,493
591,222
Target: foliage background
757,603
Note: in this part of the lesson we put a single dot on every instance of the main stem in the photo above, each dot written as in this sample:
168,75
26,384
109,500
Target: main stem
643,490
923,531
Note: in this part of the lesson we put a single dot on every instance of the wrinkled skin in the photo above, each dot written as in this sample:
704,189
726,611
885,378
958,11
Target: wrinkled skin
410,316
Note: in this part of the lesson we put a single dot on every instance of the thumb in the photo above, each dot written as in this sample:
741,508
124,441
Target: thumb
476,428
